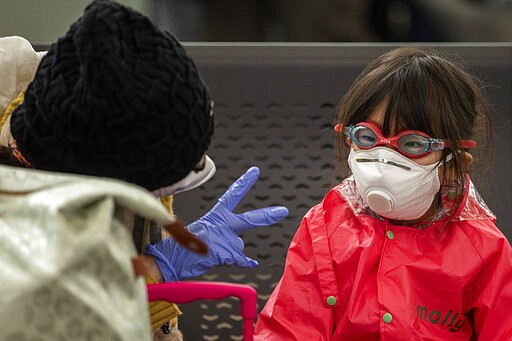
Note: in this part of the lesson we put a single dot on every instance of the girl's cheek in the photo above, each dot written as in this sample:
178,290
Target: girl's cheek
429,159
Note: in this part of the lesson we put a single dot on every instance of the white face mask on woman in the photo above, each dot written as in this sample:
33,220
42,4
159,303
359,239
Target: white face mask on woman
392,185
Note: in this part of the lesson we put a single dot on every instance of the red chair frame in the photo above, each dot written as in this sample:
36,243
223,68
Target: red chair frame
188,291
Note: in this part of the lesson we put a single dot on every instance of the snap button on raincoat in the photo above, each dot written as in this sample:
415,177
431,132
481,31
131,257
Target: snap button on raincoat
352,276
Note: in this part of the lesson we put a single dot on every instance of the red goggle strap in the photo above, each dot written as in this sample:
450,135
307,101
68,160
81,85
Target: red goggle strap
468,144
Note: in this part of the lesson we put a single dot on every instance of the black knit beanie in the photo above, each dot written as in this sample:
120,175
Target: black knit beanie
115,97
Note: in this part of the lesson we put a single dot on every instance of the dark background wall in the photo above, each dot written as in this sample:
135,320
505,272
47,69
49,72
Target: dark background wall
43,21
336,20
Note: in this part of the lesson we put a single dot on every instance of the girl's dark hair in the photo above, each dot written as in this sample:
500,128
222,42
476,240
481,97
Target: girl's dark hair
425,92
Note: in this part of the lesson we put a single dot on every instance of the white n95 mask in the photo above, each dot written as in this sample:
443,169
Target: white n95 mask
392,185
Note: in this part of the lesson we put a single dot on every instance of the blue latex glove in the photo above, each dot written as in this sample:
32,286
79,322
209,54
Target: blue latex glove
219,228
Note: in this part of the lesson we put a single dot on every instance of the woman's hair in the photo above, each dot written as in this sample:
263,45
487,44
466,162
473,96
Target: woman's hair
424,92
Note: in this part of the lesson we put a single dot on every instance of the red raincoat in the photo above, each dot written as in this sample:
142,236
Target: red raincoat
352,276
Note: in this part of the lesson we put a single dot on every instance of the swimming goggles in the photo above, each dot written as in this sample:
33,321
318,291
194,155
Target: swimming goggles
410,143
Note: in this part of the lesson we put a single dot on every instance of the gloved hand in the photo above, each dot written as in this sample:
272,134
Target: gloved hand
219,228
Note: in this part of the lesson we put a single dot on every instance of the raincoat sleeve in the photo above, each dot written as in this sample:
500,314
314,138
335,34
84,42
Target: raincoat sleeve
493,290
295,310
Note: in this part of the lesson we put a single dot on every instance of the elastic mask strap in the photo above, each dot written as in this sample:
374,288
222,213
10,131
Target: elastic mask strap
449,157
192,180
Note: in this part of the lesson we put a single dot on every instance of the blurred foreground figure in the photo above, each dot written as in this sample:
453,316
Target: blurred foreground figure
116,98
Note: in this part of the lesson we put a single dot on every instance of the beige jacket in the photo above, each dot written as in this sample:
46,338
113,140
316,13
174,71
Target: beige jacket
18,65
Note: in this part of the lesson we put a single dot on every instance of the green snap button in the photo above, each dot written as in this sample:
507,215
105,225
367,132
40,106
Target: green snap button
331,300
387,317
391,235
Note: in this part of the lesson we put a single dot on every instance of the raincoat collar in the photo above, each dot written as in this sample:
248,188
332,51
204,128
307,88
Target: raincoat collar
472,207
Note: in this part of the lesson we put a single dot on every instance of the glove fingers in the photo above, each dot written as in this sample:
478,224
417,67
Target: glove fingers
248,263
260,217
239,188
240,260
203,265
231,253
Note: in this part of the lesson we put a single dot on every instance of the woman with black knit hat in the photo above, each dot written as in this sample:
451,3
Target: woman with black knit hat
115,97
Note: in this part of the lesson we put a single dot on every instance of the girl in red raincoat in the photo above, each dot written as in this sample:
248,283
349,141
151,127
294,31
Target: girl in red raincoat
405,248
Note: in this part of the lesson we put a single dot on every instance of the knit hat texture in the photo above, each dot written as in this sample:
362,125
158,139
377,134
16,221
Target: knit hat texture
115,97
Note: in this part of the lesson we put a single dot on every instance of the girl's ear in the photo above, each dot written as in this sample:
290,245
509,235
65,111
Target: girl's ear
466,161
